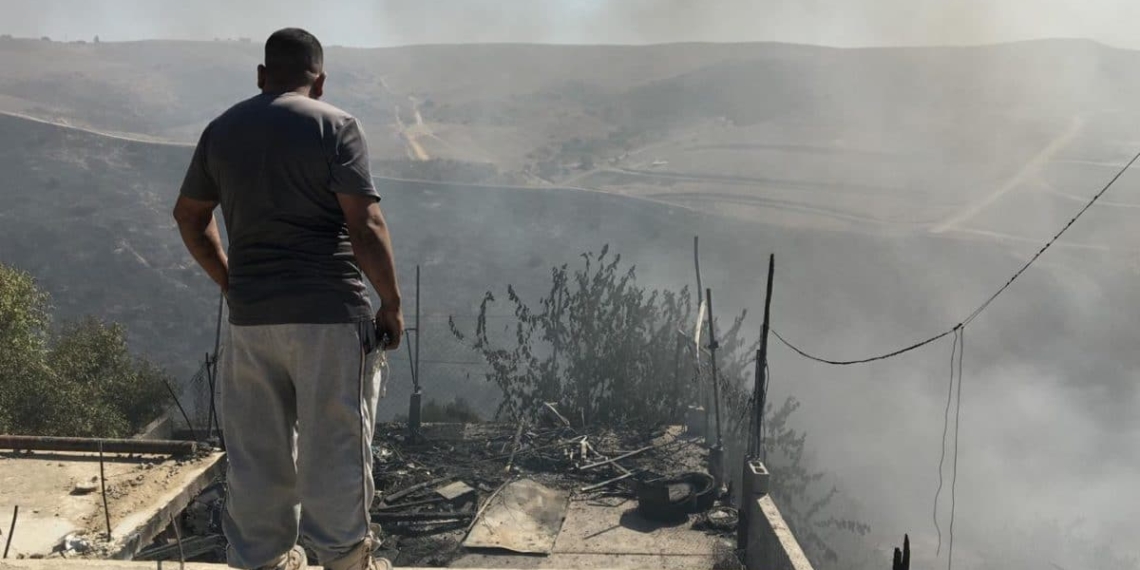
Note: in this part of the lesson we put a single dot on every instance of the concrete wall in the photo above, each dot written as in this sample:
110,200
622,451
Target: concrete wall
771,544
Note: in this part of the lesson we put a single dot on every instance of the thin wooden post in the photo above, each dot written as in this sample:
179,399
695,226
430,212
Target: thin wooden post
756,436
11,530
702,390
678,400
697,262
713,346
515,445
901,559
761,388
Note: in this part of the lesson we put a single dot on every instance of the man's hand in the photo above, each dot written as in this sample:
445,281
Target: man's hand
389,327
372,247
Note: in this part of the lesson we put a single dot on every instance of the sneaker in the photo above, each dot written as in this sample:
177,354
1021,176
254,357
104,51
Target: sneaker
295,559
360,559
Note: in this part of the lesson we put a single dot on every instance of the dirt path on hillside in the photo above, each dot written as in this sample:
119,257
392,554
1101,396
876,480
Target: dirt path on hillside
1028,171
131,137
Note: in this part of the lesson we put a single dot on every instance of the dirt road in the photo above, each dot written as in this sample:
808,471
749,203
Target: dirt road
1028,171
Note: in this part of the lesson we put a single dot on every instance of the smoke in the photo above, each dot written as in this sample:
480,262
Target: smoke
1048,423
373,23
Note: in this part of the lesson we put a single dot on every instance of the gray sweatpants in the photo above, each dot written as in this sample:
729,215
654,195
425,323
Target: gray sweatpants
298,411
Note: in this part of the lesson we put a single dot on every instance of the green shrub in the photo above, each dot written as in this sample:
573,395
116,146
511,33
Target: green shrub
80,381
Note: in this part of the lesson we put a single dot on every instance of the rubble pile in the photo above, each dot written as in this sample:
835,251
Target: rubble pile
431,487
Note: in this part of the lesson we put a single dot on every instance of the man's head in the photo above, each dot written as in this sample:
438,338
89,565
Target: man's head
294,61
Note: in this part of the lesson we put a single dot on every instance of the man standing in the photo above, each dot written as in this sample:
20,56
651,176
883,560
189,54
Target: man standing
297,402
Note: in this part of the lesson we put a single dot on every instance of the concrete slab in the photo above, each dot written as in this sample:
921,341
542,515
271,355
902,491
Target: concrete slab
142,493
74,564
600,529
524,517
586,561
615,536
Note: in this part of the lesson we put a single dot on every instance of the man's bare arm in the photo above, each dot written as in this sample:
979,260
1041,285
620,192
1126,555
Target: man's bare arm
372,246
199,232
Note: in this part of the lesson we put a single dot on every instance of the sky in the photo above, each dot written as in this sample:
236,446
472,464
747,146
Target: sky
378,23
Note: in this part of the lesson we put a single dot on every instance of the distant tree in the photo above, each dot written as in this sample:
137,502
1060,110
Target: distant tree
80,381
23,340
96,39
45,38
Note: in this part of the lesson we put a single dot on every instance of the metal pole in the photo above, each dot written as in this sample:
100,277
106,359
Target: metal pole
762,363
213,364
209,413
415,402
213,419
185,416
11,530
103,485
178,537
218,331
418,329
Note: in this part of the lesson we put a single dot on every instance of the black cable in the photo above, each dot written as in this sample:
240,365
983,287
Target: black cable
945,429
957,424
914,346
1048,244
988,301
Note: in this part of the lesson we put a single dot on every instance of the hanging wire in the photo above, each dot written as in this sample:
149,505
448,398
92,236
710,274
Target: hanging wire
914,346
945,430
957,425
978,311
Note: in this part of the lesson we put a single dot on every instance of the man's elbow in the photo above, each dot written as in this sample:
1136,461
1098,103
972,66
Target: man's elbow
179,215
367,224
189,216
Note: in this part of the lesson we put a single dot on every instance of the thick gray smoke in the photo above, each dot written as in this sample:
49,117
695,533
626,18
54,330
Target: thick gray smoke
372,23
1049,455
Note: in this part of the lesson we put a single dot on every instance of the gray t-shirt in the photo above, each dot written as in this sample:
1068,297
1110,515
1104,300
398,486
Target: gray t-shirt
275,162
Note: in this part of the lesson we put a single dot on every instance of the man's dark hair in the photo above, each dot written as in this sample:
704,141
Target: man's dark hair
293,55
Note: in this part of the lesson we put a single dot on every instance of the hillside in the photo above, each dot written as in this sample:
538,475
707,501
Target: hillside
878,140
898,189
88,215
